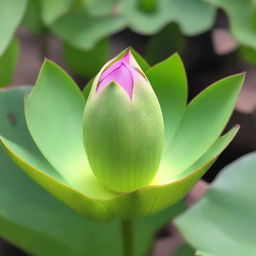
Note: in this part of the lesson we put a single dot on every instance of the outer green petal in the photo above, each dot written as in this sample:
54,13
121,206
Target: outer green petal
203,122
54,112
165,173
169,81
218,146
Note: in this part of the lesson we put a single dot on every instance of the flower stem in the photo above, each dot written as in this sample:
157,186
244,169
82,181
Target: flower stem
127,236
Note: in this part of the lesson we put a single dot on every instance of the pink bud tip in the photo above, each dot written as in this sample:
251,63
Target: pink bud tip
120,72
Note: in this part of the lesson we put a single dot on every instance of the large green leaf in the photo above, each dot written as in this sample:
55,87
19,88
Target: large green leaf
41,225
52,10
242,16
87,63
203,122
169,81
187,13
83,31
223,222
8,62
11,13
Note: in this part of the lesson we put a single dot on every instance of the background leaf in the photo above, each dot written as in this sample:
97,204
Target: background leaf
169,81
11,13
223,222
83,31
8,62
57,104
187,13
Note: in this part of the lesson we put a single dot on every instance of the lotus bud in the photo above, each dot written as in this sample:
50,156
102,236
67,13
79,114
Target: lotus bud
123,126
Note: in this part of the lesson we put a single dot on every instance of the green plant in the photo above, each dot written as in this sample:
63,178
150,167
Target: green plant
52,151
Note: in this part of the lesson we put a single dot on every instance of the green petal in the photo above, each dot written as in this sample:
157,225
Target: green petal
226,211
83,31
166,174
168,79
203,122
215,150
54,114
11,13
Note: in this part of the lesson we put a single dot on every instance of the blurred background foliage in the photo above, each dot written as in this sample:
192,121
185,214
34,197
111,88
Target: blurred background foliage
215,38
